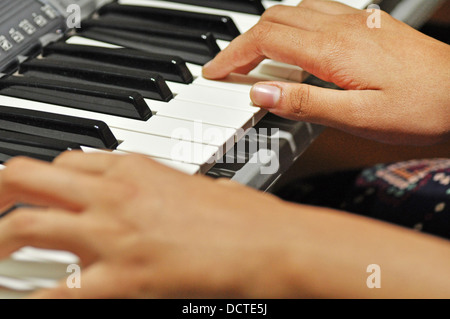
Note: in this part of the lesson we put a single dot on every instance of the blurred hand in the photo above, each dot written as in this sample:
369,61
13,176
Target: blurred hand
396,80
142,229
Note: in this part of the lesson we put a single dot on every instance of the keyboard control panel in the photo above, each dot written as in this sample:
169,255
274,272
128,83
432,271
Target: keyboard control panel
28,25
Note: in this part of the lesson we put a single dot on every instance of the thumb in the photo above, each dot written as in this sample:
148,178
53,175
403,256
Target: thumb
303,102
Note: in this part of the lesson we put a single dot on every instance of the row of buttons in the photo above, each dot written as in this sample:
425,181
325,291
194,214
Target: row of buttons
27,27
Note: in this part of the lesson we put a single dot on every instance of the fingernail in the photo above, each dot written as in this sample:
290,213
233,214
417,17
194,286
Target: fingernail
265,95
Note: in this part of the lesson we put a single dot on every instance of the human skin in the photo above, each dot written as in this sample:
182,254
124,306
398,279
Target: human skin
396,79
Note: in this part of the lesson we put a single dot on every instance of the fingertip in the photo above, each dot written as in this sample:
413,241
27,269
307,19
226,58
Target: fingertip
210,71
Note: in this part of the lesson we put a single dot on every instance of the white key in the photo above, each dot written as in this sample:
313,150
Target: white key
31,268
135,142
208,114
268,3
37,269
219,97
243,83
15,284
245,114
167,148
216,96
12,294
196,131
152,126
279,71
31,254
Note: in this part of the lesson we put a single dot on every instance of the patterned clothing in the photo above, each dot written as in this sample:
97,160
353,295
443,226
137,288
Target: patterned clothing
415,194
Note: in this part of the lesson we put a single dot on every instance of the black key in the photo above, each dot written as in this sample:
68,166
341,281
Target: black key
222,27
71,130
195,47
172,68
43,148
93,98
245,6
150,85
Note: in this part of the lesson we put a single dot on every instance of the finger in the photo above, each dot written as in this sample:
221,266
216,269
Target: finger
43,228
328,7
264,40
92,163
298,17
336,108
33,182
96,282
250,66
102,163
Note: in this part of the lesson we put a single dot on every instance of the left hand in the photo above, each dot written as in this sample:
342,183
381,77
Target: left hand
140,228
143,230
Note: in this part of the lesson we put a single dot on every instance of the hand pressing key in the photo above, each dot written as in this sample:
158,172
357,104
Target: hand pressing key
396,79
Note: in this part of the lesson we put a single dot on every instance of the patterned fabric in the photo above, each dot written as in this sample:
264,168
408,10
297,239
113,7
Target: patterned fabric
414,194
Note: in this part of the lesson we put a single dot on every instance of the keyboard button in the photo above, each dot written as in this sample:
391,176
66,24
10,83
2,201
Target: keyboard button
55,126
43,148
209,114
148,84
167,148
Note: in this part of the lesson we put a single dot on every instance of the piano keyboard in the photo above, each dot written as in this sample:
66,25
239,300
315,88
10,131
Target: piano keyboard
134,91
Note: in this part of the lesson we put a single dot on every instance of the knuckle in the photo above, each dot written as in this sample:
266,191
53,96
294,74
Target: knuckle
308,4
24,225
355,20
299,101
334,45
271,13
65,156
259,31
15,171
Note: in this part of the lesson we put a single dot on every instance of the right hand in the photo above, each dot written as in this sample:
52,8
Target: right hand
396,79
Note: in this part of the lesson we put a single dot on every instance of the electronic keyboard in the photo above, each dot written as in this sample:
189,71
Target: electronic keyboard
128,80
